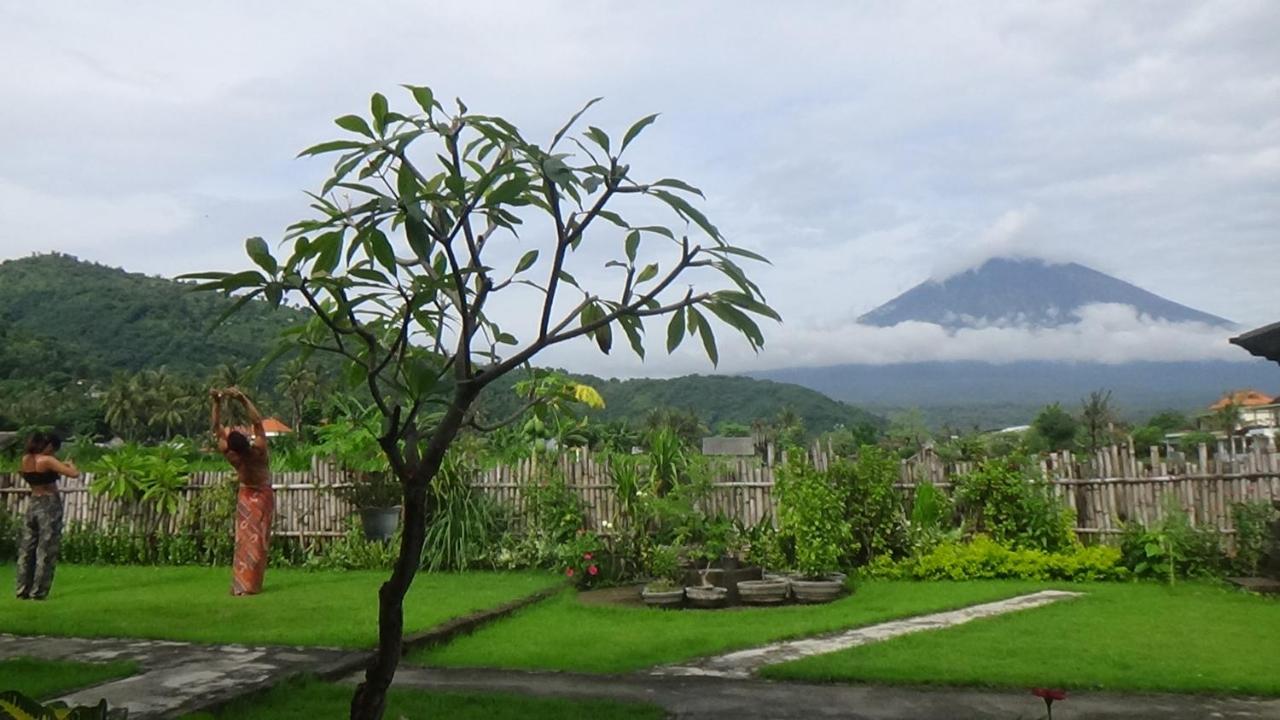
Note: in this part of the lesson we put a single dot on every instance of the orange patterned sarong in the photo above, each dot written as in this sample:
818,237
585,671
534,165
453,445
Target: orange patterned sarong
255,507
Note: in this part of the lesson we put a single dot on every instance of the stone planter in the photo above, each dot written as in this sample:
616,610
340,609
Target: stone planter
663,597
720,577
706,597
817,591
380,523
764,592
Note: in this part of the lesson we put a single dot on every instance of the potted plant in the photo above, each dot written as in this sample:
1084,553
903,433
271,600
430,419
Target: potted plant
771,589
811,509
665,590
352,441
705,594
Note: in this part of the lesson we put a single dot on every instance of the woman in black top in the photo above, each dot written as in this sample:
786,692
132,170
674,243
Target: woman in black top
42,525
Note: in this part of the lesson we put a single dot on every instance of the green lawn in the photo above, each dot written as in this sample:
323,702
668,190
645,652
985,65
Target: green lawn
48,678
1192,638
563,634
308,700
329,608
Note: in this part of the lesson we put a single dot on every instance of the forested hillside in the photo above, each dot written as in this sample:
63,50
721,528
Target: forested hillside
91,321
71,331
715,399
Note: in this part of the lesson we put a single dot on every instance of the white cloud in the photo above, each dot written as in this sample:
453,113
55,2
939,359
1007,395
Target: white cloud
863,147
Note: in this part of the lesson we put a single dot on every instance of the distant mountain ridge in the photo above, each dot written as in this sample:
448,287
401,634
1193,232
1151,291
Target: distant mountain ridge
1024,293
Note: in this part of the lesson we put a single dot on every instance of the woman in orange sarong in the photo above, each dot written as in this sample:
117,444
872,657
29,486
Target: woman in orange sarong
255,501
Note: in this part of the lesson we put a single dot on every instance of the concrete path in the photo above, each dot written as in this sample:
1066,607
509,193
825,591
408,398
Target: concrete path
705,698
177,678
744,663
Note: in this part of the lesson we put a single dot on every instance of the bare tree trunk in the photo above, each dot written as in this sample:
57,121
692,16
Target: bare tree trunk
370,698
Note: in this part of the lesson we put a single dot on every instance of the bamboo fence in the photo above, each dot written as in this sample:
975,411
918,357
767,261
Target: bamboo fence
1103,489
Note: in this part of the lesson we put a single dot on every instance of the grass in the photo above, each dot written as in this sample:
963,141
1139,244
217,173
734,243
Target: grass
332,609
1194,637
564,634
308,699
47,678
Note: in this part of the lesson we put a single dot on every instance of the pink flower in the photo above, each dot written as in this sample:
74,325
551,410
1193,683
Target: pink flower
586,556
568,572
593,570
1049,693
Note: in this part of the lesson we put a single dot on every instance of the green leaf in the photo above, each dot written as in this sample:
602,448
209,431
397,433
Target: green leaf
679,185
378,109
526,261
747,302
274,293
598,137
687,211
697,320
633,327
423,96
573,120
258,251
731,250
235,307
331,146
407,183
632,244
675,331
635,130
381,250
508,191
735,318
355,124
329,250
649,272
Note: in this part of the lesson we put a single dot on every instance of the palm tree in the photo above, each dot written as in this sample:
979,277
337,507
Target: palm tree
298,382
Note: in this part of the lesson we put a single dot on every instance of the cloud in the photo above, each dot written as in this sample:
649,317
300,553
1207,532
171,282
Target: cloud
862,147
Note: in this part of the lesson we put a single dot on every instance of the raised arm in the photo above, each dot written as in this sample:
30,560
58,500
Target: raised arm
255,417
65,469
219,432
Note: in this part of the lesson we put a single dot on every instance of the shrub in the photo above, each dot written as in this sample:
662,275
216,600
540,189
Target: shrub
1172,548
466,525
662,563
811,509
1252,521
581,559
870,504
1015,508
985,559
930,519
10,531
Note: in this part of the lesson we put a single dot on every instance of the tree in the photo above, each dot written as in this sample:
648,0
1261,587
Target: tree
297,383
1055,427
1097,419
1228,418
401,277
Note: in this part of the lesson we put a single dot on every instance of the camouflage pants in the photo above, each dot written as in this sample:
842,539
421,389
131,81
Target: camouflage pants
38,553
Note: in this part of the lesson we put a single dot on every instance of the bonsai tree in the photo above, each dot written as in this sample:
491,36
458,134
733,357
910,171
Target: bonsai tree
433,217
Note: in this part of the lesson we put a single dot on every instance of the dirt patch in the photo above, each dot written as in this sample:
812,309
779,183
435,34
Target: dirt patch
623,595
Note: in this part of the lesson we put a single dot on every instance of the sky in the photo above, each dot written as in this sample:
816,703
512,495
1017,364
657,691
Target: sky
863,147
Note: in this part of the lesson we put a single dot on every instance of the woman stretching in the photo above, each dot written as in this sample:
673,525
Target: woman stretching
42,525
255,503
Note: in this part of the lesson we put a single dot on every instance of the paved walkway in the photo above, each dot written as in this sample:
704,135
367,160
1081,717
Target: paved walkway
705,698
177,678
745,663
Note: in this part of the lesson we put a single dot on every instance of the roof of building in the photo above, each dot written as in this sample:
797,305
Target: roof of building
273,425
1243,398
1263,342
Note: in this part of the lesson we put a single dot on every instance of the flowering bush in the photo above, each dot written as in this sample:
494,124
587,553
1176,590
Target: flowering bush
985,559
581,559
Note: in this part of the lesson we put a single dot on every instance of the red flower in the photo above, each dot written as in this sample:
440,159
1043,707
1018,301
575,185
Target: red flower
568,572
593,570
1049,693
586,556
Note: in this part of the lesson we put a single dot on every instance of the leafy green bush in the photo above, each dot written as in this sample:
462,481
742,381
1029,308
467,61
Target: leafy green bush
1015,507
986,559
353,551
1172,548
811,508
154,476
930,523
16,706
466,525
871,505
1253,533
662,563
10,530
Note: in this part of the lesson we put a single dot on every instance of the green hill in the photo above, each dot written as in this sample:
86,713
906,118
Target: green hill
713,398
68,325
93,320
